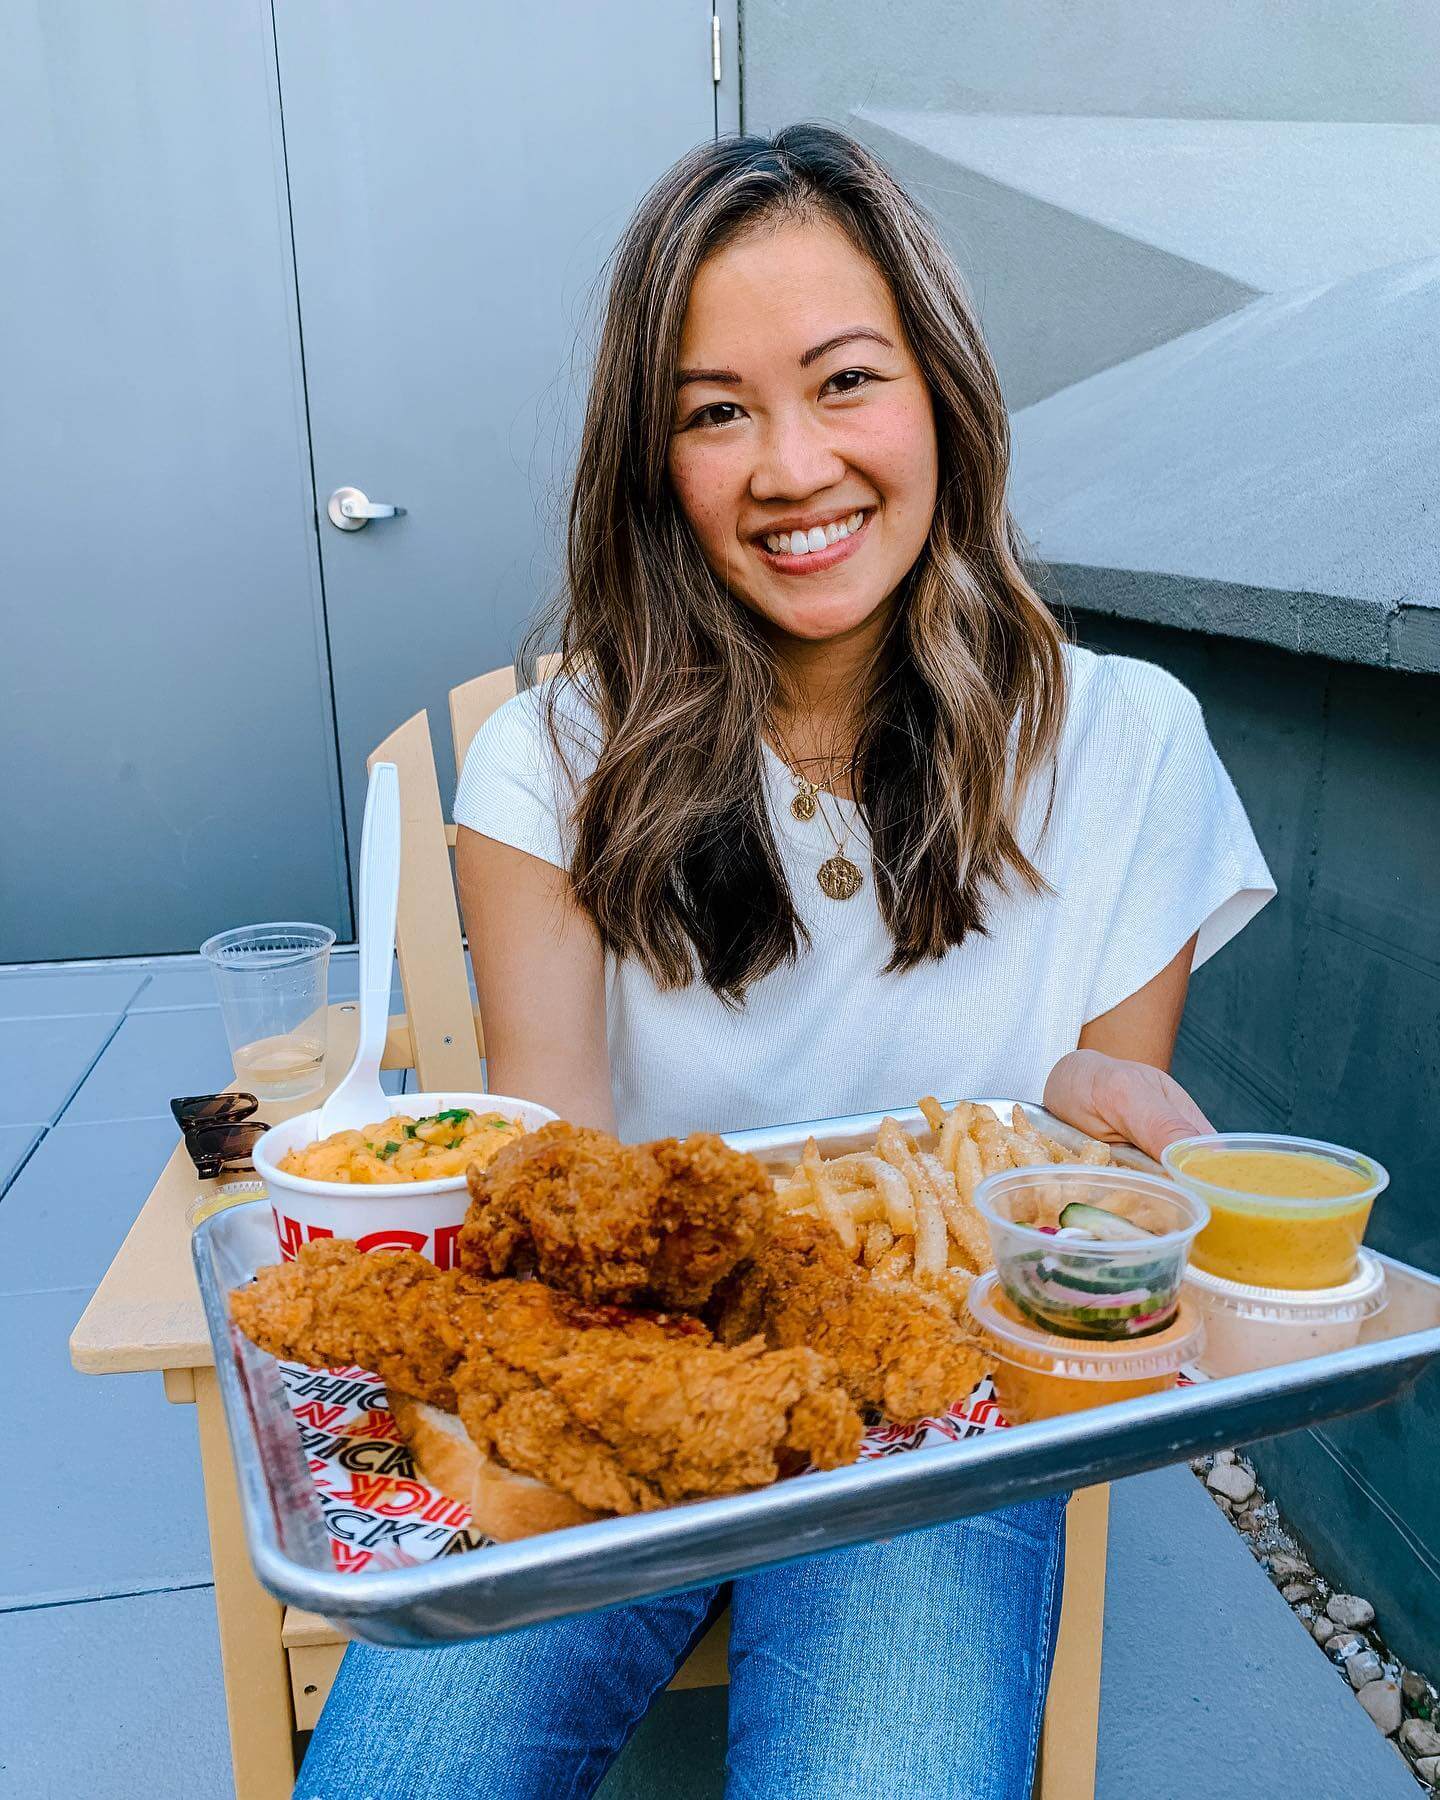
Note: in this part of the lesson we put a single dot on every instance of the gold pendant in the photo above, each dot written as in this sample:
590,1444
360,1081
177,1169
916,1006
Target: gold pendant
802,807
840,878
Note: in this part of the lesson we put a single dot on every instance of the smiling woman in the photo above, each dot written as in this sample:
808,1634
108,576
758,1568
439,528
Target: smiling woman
791,382
819,813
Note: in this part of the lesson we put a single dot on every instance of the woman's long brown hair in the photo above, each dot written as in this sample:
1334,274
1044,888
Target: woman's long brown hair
674,857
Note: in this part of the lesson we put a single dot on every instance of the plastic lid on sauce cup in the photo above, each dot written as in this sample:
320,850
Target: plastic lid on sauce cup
1375,1177
1160,1354
1358,1299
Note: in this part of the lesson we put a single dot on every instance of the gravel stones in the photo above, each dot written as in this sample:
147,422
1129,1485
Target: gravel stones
1234,1483
1420,1738
1381,1699
1400,1702
1350,1610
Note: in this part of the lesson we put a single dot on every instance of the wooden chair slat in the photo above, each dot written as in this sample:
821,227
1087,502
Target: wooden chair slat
432,955
472,703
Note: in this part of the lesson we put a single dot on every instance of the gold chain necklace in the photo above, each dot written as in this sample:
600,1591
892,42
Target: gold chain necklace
839,877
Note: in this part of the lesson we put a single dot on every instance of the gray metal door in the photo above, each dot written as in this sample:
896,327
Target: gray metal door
166,735
457,173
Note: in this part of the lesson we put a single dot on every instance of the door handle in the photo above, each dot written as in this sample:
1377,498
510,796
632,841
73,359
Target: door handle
349,510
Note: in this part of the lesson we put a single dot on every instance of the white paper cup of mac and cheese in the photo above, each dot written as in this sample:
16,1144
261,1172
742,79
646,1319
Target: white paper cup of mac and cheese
376,1186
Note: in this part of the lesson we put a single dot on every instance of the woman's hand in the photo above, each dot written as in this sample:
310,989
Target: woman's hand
1122,1102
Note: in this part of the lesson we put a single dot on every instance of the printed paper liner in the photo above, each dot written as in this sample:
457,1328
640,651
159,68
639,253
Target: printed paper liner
379,1515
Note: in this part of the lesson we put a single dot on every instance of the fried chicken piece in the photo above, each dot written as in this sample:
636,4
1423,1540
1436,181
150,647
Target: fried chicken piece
680,1416
623,1410
389,1310
896,1347
659,1223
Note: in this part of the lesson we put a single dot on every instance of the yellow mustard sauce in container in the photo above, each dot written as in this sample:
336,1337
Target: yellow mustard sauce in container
1285,1212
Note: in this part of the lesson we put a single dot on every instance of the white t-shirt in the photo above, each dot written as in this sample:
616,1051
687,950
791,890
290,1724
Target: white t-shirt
1147,843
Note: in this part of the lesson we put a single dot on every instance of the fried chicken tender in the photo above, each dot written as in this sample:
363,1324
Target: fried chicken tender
897,1348
658,1223
390,1311
681,1416
624,1410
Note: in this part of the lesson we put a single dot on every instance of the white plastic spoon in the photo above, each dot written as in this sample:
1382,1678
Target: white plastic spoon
359,1099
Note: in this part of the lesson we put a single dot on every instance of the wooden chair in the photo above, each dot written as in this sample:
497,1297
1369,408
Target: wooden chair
440,1036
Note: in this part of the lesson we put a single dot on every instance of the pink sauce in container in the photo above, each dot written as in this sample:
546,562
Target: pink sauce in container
1249,1327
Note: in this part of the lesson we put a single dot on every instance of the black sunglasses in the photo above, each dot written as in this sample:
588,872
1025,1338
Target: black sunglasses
219,1130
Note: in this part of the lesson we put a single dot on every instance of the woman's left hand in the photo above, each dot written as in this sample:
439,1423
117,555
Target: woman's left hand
1122,1102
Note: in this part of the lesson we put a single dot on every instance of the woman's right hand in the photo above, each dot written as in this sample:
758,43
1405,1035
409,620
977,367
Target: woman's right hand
1122,1102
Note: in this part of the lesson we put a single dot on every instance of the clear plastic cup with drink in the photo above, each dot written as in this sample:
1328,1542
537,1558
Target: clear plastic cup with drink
273,984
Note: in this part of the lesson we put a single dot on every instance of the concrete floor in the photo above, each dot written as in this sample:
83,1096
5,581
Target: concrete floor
107,1637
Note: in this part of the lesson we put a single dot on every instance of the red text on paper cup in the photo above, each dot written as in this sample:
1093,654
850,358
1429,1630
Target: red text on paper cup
438,1245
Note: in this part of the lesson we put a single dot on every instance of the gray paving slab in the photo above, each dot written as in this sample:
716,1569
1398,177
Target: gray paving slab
174,981
106,1497
42,1062
1210,1684
153,1057
114,1700
65,1216
40,993
15,1145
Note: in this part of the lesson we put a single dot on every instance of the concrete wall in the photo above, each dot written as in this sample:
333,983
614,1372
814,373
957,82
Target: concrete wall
1323,1018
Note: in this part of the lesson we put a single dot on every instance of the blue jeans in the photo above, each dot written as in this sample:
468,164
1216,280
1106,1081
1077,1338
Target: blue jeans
911,1667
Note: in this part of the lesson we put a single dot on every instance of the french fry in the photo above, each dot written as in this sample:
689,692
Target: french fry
966,1227
841,1220
897,1150
878,1239
1027,1147
831,1204
949,1128
935,1113
897,1261
967,1170
990,1141
894,1192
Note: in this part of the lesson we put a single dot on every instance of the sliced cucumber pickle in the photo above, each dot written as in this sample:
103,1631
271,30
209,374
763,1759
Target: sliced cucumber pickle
1108,1227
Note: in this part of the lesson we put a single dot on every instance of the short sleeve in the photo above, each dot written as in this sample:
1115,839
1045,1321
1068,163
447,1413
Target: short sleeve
513,787
1192,865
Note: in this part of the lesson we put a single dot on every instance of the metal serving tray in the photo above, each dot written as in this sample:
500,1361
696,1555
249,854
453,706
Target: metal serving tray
616,1560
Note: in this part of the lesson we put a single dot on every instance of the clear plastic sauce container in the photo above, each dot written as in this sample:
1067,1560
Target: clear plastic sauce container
1039,1375
1090,1252
1285,1212
1249,1327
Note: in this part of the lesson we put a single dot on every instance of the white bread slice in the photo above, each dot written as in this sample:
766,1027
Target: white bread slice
502,1504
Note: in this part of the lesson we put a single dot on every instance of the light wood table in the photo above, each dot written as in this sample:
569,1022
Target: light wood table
146,1315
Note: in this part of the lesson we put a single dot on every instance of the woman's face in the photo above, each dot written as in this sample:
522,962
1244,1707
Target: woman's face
803,452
